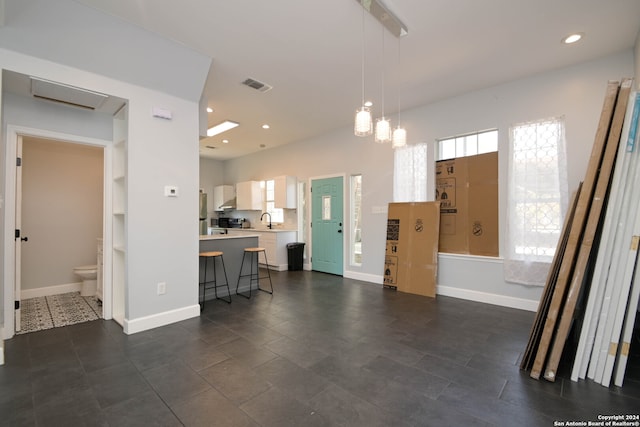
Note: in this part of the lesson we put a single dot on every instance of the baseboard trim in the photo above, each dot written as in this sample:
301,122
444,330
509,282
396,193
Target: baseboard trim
160,319
485,297
50,290
276,267
467,294
371,278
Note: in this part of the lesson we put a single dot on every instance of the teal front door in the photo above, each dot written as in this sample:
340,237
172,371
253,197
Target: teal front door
327,225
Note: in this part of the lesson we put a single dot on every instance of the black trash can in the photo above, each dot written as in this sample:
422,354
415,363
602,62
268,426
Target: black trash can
295,255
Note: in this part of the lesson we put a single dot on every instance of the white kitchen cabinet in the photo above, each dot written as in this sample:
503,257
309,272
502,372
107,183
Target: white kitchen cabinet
248,196
221,195
275,245
285,192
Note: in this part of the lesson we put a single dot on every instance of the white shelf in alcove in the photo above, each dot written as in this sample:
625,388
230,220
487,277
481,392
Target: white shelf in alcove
118,178
119,249
119,213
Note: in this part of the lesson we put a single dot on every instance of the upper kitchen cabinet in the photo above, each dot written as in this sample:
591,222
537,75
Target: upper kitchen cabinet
248,196
285,192
223,195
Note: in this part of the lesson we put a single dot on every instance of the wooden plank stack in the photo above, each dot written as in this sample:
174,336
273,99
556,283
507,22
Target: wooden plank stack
596,256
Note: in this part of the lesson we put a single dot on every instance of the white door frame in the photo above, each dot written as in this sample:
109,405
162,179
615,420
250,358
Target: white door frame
345,218
9,221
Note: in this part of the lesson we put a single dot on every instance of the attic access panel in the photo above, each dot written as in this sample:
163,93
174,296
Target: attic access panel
65,94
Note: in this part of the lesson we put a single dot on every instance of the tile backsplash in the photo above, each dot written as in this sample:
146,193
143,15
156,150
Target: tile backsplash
290,218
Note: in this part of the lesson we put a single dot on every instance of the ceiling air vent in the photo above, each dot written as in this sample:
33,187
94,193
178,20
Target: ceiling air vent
66,94
259,86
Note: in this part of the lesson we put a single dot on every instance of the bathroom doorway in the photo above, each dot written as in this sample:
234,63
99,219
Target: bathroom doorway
62,221
13,289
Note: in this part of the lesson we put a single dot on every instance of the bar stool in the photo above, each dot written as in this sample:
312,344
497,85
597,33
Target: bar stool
253,254
213,255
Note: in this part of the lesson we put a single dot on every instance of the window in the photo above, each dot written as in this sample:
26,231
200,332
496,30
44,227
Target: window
356,218
277,214
466,179
410,173
537,198
468,145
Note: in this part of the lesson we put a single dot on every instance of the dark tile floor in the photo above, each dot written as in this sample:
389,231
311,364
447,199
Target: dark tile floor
322,350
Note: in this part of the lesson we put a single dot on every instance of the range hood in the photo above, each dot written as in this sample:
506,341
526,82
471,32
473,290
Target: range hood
229,204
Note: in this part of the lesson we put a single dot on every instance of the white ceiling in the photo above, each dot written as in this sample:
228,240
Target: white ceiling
310,52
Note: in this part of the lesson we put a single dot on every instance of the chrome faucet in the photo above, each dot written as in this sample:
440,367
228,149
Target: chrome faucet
266,213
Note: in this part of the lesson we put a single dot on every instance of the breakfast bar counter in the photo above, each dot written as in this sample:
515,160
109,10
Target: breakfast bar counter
233,249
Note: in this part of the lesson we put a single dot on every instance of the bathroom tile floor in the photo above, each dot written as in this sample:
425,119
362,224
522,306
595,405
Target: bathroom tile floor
323,350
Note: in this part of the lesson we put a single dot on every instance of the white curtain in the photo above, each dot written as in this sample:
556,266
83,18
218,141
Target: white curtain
538,196
410,173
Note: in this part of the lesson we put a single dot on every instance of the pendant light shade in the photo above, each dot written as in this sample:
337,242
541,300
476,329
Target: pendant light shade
383,130
399,137
364,122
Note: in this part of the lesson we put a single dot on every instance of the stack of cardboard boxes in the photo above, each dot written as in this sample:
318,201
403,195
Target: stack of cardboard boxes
462,220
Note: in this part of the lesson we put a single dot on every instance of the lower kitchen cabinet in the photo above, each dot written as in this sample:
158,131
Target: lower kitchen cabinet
275,245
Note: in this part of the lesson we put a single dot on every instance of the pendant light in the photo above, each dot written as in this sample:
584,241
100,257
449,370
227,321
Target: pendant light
399,138
363,125
383,126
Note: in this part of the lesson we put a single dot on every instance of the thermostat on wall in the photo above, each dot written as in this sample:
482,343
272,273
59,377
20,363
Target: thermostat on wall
170,191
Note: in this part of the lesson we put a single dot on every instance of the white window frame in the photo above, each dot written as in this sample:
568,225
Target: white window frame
277,214
355,243
468,144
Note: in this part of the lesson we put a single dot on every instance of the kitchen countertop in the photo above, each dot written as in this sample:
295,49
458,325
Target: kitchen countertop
225,236
272,230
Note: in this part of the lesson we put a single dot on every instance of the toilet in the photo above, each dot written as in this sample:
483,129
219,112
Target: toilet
89,274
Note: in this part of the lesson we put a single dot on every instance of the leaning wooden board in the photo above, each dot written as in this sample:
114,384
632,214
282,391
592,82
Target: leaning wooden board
590,236
545,300
577,227
610,247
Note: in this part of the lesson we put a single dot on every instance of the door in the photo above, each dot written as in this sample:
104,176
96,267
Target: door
18,236
327,241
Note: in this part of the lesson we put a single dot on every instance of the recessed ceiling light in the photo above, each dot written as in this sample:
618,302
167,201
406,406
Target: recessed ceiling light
209,110
572,38
225,141
265,126
221,127
368,104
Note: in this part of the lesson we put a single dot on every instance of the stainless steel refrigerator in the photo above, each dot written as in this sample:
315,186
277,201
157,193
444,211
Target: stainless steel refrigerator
203,213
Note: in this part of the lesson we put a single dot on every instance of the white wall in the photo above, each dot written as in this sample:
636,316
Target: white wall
62,189
51,40
576,93
637,58
162,232
71,33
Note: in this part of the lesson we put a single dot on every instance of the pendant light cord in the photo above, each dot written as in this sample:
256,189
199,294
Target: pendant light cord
399,68
363,40
382,108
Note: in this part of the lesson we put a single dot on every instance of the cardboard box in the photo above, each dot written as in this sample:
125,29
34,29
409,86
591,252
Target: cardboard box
467,188
411,255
